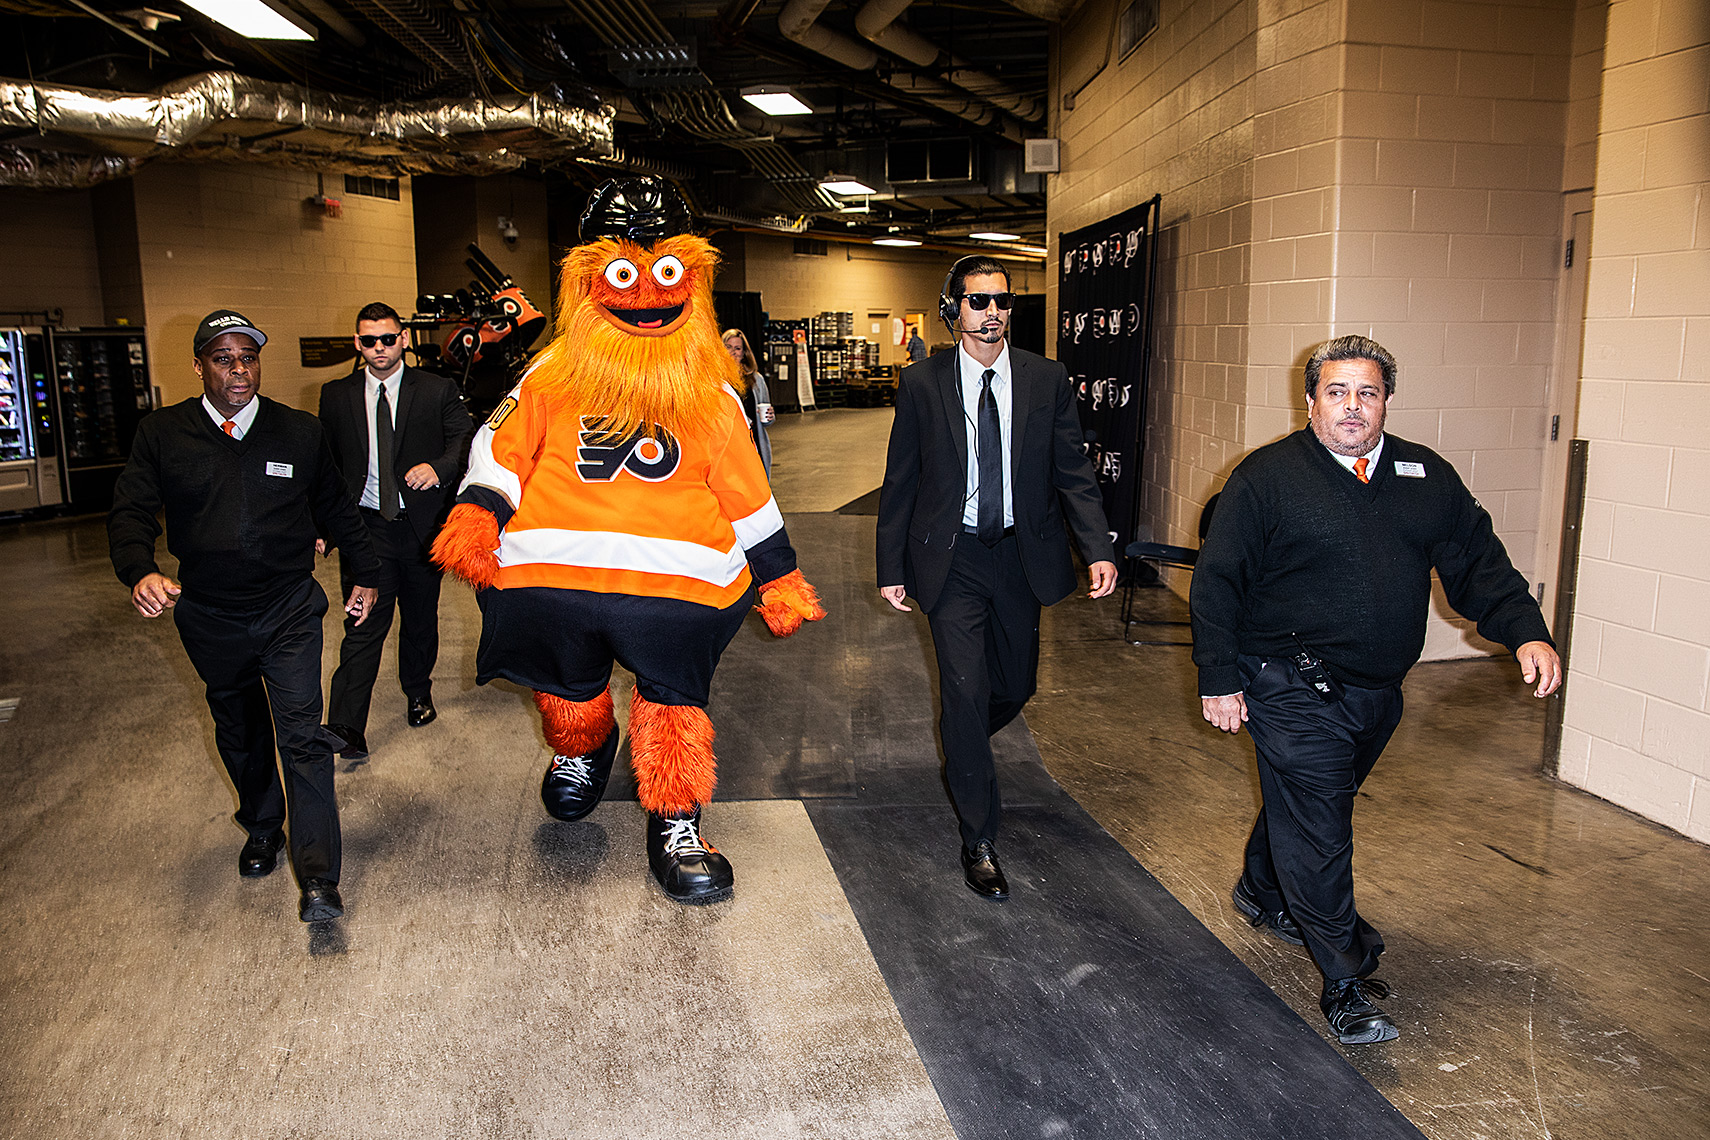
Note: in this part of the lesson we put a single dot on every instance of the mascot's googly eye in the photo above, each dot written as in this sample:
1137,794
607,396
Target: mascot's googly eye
668,271
622,273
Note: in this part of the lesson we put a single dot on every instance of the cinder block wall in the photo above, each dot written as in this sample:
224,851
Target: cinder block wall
244,237
1638,696
1387,167
51,259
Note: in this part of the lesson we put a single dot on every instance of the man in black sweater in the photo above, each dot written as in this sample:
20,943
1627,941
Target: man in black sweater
244,481
1309,603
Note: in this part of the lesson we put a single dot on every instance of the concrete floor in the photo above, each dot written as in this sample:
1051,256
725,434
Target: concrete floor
1546,946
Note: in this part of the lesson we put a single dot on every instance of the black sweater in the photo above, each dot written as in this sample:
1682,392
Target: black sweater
240,514
1298,545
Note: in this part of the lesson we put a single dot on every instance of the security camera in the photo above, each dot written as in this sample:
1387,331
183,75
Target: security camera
508,230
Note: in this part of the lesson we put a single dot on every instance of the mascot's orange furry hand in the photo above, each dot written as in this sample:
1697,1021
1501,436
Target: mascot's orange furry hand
788,601
468,545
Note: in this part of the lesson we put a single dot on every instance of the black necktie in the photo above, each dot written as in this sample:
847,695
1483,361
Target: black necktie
383,449
989,450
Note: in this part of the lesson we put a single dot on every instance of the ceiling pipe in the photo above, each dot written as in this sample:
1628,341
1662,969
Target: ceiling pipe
796,22
877,22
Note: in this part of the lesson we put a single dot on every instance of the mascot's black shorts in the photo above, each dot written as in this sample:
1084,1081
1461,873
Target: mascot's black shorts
563,642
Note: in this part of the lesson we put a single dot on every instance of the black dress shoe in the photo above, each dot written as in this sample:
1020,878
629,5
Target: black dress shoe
355,744
980,869
1346,1003
687,868
1279,922
321,901
573,785
421,712
259,855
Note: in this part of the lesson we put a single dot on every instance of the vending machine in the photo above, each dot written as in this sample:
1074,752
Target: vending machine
102,391
29,446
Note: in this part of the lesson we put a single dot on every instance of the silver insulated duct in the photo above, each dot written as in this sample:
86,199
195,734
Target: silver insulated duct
86,136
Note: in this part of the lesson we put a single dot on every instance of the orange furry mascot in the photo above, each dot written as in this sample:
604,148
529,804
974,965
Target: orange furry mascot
616,510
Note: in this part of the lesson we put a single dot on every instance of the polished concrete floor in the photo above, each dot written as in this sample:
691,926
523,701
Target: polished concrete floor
499,975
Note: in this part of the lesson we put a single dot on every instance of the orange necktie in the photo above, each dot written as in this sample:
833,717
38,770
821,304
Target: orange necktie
1360,469
228,425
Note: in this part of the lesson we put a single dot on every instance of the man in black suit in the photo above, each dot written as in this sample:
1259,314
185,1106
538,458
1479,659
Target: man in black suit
985,466
416,421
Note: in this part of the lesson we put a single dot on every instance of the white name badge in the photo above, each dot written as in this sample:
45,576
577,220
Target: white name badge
1410,470
283,470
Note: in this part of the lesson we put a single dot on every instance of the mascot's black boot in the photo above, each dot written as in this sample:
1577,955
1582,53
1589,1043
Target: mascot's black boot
573,785
687,867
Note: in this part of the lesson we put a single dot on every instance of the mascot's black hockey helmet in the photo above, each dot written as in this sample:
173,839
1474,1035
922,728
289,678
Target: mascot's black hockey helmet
641,210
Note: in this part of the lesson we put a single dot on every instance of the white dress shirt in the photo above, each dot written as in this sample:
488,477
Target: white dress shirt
241,423
371,401
970,372
1348,460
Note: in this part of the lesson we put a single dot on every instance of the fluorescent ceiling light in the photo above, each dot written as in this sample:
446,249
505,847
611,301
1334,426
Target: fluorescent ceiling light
775,101
1032,249
895,241
993,235
839,184
253,19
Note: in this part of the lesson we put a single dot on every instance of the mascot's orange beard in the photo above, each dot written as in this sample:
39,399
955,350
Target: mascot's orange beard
638,379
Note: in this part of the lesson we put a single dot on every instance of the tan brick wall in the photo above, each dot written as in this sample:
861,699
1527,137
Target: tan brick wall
243,237
48,240
1638,699
1448,243
1386,167
1175,118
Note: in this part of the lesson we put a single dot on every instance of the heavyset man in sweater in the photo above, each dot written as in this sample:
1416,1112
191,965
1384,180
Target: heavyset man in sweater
244,481
1309,602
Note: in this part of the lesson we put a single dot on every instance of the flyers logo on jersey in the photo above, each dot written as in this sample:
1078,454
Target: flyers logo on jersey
600,461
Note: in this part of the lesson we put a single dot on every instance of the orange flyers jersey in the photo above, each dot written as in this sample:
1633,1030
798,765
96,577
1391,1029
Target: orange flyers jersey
671,517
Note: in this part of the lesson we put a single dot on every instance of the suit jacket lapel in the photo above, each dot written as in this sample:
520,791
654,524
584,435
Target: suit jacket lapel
1021,396
406,392
955,414
357,393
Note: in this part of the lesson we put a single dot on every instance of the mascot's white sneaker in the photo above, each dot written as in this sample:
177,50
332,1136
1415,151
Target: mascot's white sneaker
688,868
573,785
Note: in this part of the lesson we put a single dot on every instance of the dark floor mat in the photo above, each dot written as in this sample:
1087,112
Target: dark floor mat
1092,1003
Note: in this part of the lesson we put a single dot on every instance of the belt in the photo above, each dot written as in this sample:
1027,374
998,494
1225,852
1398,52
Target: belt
1008,531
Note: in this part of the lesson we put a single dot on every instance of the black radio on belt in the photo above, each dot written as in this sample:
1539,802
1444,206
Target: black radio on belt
1316,675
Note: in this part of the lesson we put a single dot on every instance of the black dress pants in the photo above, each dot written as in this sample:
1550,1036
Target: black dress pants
409,584
262,667
1312,758
985,632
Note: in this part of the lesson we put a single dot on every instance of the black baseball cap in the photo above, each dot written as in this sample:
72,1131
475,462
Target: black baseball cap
222,321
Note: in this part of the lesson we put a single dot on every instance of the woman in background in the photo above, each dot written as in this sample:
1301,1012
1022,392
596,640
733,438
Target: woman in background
756,397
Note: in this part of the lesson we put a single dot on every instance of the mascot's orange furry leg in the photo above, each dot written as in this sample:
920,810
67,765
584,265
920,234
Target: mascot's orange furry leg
584,738
671,747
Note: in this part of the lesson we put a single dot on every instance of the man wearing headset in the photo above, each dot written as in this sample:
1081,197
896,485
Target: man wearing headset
984,469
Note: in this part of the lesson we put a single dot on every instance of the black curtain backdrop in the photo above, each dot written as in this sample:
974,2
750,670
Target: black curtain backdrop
1104,337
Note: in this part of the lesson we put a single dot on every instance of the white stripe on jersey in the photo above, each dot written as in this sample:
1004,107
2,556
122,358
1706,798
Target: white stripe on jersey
611,550
485,471
759,526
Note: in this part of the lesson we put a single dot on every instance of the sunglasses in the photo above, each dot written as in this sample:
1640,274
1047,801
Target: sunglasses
389,339
979,301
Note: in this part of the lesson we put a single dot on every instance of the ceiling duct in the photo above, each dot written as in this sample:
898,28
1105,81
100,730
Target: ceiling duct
225,116
797,21
877,21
